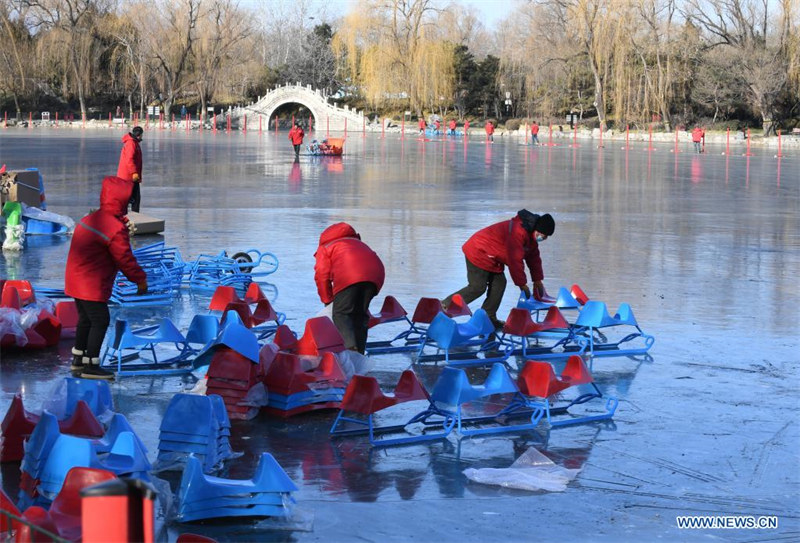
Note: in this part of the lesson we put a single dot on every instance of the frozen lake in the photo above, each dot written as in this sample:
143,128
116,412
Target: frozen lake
705,248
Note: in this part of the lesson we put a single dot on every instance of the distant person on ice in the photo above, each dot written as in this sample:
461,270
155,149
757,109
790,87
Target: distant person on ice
489,131
100,247
509,243
348,274
535,133
130,164
422,125
698,134
296,136
452,127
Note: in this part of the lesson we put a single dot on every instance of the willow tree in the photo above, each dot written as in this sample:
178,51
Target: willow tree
391,50
16,49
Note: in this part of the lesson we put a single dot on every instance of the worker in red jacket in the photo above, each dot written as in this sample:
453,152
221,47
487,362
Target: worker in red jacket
697,136
422,125
130,164
296,136
452,127
100,247
348,274
489,131
508,243
535,133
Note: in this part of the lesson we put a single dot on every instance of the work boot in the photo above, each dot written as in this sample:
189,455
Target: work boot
498,324
77,360
92,370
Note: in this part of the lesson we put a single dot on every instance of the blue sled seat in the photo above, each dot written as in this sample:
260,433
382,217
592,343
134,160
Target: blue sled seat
447,334
203,496
594,316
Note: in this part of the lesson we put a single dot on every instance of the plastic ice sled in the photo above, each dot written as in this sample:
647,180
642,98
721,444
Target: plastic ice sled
424,313
24,290
451,391
594,316
550,338
564,300
446,334
365,397
126,346
538,383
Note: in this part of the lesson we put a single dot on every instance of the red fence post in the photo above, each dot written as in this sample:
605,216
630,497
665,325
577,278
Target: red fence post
727,142
550,137
403,128
748,143
627,133
779,145
245,124
601,135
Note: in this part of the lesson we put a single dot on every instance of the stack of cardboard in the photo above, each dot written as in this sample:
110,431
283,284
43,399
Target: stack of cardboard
20,186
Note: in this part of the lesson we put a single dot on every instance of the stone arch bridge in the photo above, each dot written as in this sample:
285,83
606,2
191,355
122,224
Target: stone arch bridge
327,116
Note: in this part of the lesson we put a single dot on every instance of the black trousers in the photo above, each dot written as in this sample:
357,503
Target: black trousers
297,150
93,320
136,198
351,314
478,282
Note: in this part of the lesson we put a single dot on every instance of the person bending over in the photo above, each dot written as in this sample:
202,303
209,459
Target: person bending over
509,243
348,274
100,247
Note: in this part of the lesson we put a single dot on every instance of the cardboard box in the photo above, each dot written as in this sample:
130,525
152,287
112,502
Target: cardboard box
20,186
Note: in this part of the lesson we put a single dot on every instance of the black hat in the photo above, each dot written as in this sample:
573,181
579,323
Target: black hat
137,131
546,225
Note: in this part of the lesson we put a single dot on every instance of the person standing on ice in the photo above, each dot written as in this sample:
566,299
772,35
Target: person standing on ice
489,131
511,243
422,125
697,137
100,247
348,274
130,164
535,133
296,136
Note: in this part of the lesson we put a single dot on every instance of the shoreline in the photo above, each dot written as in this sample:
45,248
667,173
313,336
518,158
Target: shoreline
791,141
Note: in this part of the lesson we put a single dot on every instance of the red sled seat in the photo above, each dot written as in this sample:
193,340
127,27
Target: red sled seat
66,510
67,313
391,311
222,297
320,336
24,291
364,395
287,376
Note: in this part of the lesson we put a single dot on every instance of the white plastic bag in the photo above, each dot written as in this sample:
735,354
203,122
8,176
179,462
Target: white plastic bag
354,363
531,471
10,325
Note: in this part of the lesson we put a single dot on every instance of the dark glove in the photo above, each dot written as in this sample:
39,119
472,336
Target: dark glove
538,287
526,291
141,288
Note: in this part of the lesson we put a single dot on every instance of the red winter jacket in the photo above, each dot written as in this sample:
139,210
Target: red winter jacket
100,246
130,159
452,125
535,129
296,134
506,243
489,129
344,260
697,135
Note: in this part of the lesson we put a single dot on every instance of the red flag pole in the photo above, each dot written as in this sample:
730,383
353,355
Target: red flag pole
748,143
728,141
403,128
780,155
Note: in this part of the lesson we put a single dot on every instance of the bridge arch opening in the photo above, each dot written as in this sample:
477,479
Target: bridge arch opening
298,112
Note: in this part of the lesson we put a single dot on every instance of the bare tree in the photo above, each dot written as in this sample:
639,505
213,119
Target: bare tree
16,47
742,28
